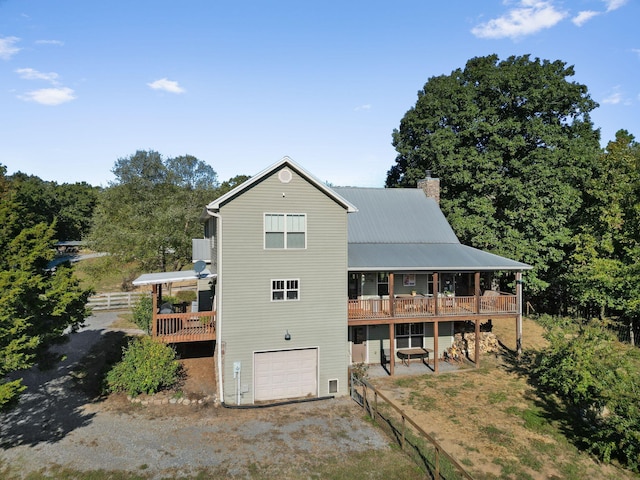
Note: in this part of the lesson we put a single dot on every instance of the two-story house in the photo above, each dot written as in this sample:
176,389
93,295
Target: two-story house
307,279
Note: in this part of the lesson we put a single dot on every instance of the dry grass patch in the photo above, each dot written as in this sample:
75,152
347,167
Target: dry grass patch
495,423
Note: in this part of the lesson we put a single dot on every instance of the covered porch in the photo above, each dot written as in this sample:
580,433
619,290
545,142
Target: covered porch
417,311
179,323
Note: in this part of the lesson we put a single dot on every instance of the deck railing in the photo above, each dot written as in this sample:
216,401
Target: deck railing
420,306
185,327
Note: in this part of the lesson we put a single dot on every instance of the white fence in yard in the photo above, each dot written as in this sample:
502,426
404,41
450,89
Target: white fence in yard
114,301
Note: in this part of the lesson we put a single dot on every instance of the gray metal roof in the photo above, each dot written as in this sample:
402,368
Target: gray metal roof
420,257
399,229
395,215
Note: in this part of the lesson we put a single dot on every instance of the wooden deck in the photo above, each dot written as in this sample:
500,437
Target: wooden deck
430,307
184,327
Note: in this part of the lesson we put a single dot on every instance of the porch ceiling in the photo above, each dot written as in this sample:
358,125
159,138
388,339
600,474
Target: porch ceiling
431,257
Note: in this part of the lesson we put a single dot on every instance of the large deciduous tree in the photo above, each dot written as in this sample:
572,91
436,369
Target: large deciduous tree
36,305
70,205
513,144
150,212
603,275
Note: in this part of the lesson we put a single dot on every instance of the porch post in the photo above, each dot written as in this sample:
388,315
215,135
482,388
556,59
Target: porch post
477,352
477,291
435,294
391,302
519,316
435,346
392,353
154,312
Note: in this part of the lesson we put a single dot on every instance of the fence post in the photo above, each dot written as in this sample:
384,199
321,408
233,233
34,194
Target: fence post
404,428
375,405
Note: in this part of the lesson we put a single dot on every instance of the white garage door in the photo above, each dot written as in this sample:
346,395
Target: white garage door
286,374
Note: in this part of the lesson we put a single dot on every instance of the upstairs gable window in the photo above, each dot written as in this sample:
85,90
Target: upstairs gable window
285,230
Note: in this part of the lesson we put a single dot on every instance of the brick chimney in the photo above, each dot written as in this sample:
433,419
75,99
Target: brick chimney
430,186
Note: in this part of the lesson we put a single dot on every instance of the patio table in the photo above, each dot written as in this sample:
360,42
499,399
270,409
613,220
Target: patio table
405,354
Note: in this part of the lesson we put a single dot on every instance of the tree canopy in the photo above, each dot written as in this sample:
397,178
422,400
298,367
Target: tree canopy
36,305
69,205
149,214
603,276
514,145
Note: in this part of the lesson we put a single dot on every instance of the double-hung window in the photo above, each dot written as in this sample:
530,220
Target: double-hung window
284,290
285,230
409,335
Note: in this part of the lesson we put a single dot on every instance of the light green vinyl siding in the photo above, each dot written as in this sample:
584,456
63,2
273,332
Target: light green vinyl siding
249,320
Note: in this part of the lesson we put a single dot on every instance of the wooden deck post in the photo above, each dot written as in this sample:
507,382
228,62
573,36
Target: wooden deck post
519,315
435,293
154,313
391,295
435,346
392,353
477,352
477,291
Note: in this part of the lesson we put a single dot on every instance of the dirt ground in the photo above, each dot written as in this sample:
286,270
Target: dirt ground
480,417
63,426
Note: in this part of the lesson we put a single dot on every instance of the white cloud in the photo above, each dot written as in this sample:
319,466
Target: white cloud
50,96
530,16
166,85
584,17
359,108
614,4
8,48
32,74
615,98
636,51
50,42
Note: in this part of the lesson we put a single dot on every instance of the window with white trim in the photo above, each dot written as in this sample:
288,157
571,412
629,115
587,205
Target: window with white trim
285,290
285,230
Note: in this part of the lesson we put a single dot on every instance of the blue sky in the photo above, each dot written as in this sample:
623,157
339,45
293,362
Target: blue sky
242,84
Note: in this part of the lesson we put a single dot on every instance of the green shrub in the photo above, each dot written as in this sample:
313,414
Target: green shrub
599,378
143,313
147,366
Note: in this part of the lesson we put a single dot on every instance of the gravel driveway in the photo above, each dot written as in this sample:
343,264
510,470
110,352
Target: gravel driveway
55,424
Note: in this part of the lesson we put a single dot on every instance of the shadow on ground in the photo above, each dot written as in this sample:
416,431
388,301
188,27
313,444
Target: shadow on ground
52,406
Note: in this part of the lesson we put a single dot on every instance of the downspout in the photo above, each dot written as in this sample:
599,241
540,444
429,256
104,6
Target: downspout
219,296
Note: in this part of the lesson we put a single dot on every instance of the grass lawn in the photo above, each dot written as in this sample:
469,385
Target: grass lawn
496,424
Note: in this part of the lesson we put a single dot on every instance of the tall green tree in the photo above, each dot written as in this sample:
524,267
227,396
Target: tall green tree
37,306
149,214
514,144
70,205
602,276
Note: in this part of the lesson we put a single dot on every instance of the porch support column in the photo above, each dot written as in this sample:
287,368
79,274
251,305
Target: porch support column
477,352
435,346
392,353
519,315
435,294
154,320
477,291
391,302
